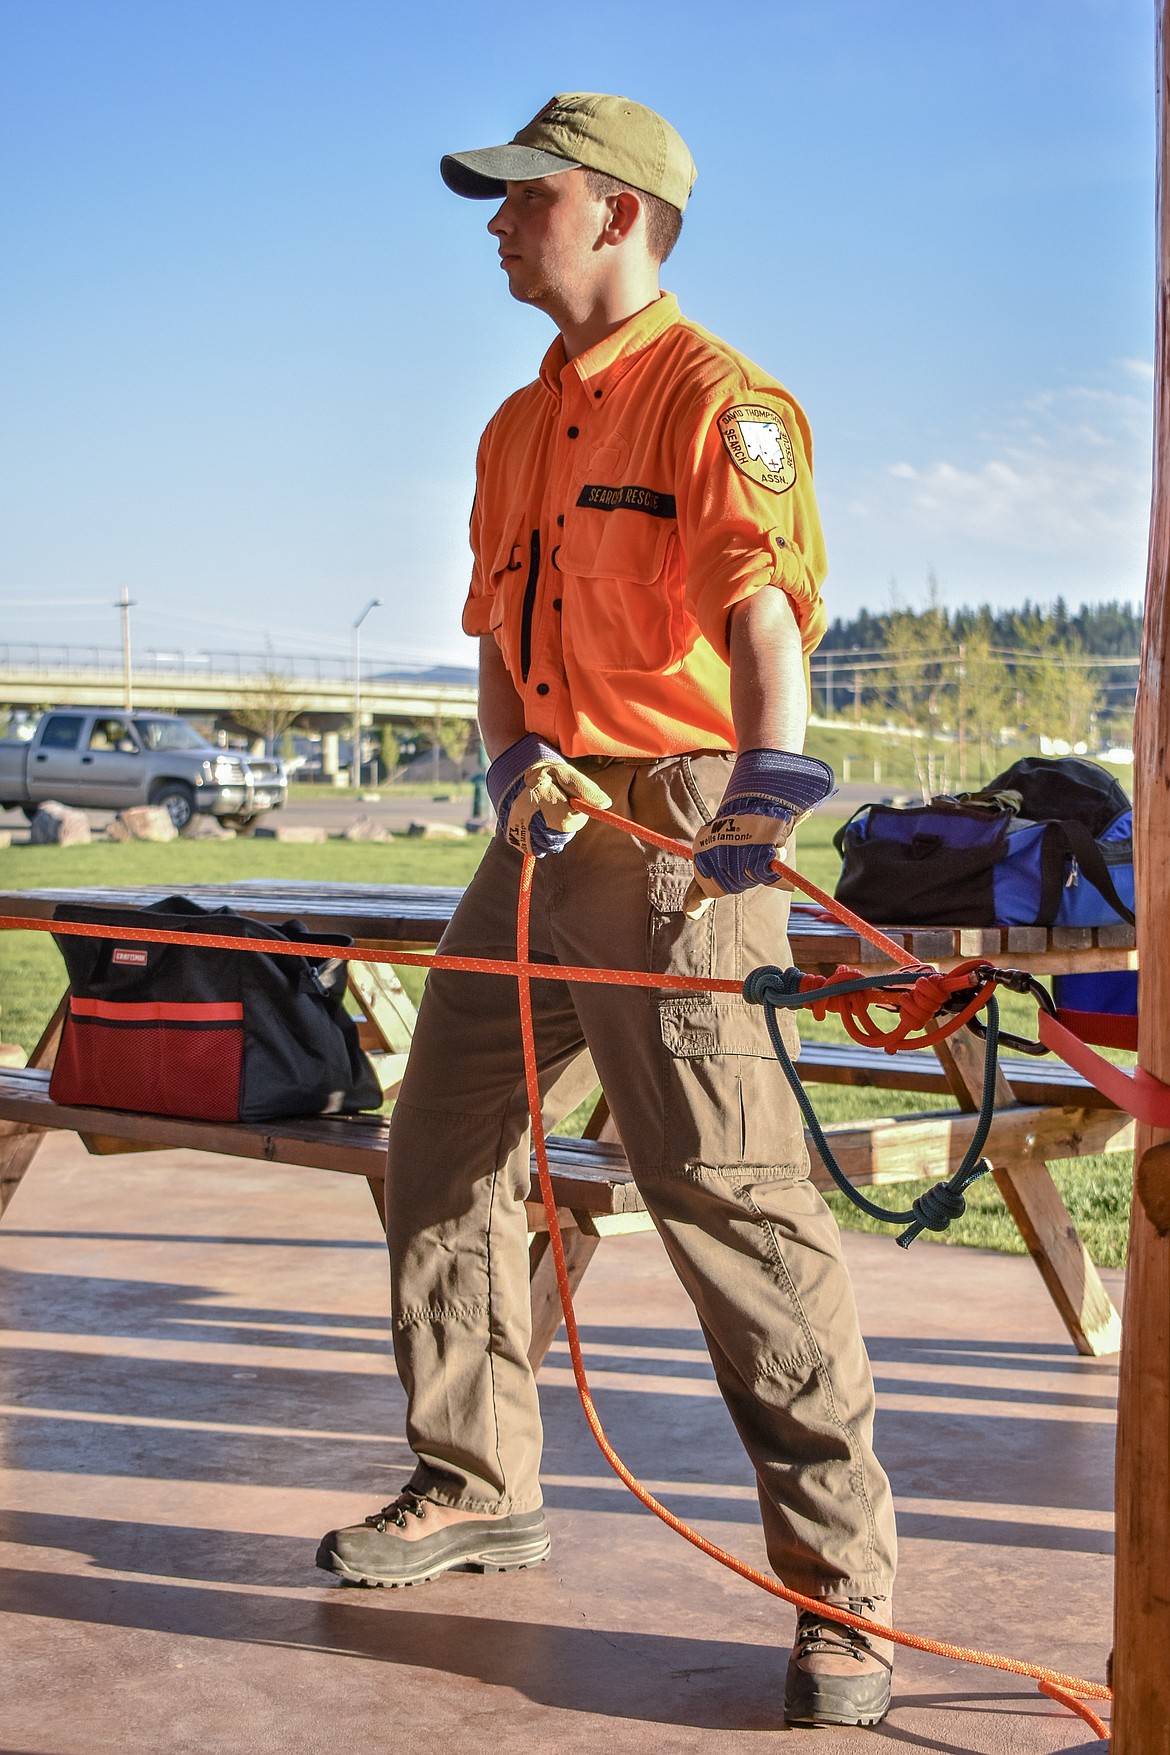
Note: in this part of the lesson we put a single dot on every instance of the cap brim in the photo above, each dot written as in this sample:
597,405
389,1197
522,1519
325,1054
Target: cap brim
482,175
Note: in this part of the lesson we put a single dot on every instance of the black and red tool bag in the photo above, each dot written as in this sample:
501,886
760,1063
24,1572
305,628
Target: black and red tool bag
210,1034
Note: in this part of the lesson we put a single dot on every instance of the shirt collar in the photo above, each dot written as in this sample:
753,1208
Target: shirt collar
600,367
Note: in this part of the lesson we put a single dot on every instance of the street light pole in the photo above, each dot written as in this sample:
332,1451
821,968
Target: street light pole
355,771
125,604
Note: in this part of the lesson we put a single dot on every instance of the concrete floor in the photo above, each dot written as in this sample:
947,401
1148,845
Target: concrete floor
195,1381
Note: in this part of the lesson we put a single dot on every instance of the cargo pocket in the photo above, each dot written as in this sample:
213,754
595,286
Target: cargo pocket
728,1103
162,1059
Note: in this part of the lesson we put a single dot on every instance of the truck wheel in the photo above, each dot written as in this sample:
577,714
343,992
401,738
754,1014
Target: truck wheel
179,803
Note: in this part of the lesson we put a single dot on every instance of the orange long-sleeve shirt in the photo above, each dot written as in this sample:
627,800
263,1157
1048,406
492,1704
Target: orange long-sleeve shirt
625,501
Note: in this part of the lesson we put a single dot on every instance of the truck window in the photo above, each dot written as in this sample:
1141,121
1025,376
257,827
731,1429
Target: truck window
113,734
169,734
61,731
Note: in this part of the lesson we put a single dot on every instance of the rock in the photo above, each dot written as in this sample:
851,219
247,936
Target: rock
58,825
438,831
364,828
480,825
143,822
5,837
209,828
12,1054
295,832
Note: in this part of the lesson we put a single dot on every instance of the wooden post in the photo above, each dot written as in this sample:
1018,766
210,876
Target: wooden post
1141,1657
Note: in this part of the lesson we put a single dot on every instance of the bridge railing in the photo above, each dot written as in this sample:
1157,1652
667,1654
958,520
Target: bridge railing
58,661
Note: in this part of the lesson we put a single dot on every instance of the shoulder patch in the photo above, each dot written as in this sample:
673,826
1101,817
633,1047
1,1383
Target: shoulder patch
759,445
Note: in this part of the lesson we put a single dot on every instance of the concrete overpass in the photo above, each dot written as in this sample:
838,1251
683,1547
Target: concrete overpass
216,683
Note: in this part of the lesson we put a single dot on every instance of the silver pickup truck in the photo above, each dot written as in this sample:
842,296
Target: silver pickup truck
104,758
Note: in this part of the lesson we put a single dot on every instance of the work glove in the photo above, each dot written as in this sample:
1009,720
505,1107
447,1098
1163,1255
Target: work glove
767,794
531,786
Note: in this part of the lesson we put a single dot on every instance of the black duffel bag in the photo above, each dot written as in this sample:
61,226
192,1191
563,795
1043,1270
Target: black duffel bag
209,1034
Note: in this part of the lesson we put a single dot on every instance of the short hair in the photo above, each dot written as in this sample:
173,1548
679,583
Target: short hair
663,222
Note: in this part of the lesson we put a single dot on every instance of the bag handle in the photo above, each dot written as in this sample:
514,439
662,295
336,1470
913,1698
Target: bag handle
1089,857
839,834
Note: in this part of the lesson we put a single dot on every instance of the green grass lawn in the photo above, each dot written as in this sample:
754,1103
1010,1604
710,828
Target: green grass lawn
1097,1190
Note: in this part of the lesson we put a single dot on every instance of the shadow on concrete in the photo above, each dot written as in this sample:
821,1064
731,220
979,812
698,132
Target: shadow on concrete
669,1680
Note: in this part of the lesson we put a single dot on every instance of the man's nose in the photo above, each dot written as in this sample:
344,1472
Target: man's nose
498,223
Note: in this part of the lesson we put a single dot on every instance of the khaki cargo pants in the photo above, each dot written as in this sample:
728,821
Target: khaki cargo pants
715,1145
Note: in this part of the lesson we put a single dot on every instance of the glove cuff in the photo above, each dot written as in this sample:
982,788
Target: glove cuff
797,783
511,763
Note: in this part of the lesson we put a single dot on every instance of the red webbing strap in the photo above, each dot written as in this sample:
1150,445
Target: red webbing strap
1138,1093
1106,1029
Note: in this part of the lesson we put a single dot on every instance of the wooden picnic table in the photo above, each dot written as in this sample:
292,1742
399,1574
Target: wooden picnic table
1048,1112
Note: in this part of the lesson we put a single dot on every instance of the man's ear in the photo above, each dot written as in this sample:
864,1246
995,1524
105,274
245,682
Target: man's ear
623,217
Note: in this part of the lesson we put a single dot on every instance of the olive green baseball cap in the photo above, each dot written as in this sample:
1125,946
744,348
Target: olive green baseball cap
575,129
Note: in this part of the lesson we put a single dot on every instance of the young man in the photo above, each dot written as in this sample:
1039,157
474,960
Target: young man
647,564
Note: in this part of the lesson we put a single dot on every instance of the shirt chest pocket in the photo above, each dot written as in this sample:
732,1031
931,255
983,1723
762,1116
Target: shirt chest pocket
622,587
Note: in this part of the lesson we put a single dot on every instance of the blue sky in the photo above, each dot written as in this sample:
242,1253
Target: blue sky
248,340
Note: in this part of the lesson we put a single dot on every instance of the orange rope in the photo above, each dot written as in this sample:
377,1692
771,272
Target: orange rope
917,1004
1069,1691
923,1000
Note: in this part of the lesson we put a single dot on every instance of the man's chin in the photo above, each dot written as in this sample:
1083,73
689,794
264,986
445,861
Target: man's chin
527,292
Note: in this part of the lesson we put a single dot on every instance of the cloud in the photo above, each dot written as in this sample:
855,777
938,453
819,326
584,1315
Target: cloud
1067,476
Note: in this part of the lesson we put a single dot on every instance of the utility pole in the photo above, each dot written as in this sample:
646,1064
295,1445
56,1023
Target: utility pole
126,603
355,770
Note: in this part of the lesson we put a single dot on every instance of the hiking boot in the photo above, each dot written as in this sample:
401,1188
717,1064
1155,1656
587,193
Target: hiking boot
377,1552
836,1675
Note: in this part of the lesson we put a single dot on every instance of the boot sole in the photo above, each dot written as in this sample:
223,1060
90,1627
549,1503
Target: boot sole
495,1557
808,1722
808,1714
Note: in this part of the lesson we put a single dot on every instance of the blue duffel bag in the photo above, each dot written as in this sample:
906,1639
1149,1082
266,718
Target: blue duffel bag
1046,843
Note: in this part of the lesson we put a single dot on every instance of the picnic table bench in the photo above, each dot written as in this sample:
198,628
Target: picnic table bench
1046,1111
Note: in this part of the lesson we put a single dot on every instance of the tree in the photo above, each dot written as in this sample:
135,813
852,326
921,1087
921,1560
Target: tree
1062,694
921,653
984,700
271,706
390,750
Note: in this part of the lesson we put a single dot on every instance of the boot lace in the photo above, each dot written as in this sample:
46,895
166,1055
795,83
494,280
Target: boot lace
408,1503
817,1633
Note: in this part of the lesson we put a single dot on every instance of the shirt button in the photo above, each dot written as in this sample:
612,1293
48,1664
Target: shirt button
542,688
561,519
574,432
556,603
597,393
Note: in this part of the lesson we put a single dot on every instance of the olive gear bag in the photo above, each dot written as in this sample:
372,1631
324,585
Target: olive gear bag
209,1034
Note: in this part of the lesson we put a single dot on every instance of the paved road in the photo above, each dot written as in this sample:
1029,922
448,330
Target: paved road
448,805
334,814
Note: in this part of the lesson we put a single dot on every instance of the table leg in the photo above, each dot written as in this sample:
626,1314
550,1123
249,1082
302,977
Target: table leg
19,1144
1034,1202
546,1301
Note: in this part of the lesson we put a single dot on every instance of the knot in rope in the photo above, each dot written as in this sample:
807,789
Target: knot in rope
772,986
938,1206
926,998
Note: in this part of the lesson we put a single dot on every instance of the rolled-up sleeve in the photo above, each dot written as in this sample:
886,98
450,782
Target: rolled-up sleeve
748,515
